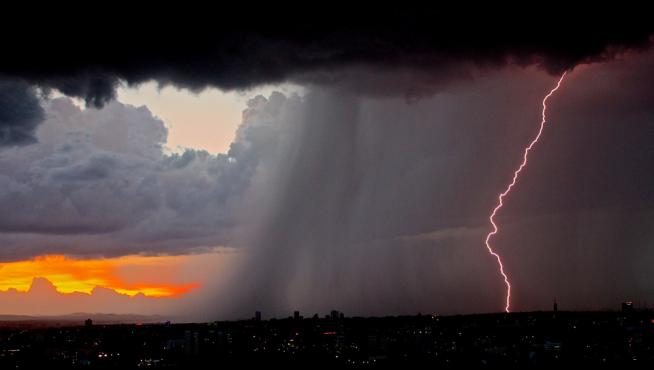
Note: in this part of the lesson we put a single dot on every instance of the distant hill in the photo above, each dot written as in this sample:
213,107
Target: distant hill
78,318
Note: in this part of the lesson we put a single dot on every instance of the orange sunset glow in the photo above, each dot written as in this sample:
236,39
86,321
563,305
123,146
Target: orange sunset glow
130,275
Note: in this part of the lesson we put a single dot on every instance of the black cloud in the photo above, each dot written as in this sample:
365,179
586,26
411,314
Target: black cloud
20,113
87,56
239,49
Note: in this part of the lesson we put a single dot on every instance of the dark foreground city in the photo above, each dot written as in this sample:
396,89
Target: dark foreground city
518,340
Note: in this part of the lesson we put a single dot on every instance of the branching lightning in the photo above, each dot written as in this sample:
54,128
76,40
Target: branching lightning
508,189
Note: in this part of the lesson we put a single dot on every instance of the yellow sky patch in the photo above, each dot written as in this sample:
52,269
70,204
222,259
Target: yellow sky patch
153,276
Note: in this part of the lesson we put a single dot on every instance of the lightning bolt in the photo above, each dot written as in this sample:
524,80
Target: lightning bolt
500,198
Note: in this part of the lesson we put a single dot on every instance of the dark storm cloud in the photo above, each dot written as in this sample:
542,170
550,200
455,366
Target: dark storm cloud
20,113
238,50
407,51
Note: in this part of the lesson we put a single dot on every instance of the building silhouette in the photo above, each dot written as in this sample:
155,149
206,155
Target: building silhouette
627,306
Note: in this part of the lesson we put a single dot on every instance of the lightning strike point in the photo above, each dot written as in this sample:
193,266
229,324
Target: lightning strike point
500,198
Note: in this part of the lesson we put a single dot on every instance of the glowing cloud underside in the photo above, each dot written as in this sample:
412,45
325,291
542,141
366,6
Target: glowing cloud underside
500,198
130,275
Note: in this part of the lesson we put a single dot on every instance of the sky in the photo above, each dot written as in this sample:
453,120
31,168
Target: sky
322,168
205,120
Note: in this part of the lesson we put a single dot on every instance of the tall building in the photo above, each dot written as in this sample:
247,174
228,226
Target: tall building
627,306
191,342
296,315
257,315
